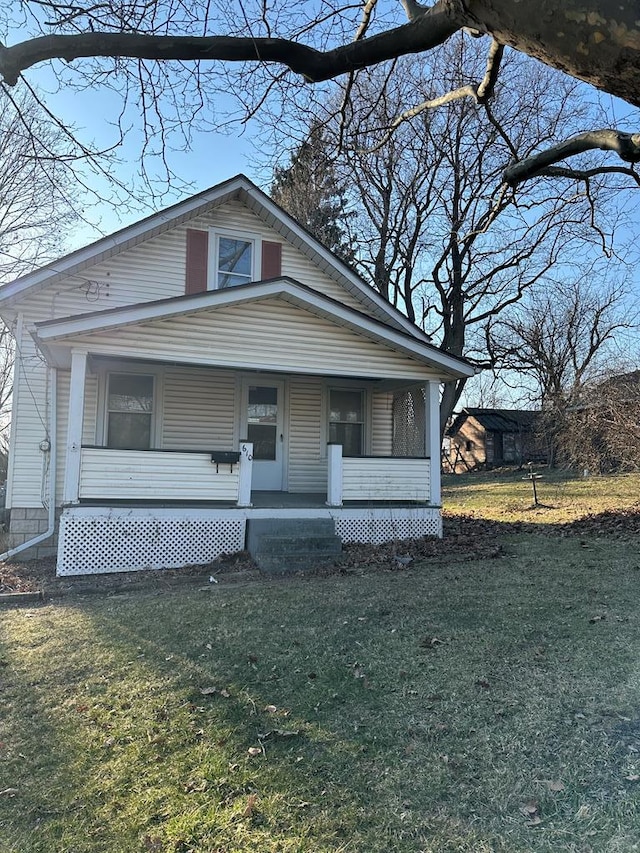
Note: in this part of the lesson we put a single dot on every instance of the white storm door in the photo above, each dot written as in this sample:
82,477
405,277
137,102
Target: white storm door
264,427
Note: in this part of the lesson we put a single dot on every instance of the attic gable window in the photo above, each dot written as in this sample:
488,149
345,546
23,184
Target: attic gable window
217,259
234,261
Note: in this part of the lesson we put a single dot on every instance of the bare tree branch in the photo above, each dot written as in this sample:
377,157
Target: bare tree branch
585,174
626,146
431,29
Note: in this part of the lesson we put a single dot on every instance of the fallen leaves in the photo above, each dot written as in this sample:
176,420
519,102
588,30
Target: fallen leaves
215,691
431,642
252,799
531,810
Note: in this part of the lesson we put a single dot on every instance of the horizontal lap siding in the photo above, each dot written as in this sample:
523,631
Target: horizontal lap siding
30,426
295,265
199,410
272,334
385,479
307,467
155,270
88,424
160,476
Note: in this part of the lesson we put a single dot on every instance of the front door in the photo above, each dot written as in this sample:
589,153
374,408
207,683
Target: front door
264,426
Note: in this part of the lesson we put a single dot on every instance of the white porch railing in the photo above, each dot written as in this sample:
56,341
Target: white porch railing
111,474
381,478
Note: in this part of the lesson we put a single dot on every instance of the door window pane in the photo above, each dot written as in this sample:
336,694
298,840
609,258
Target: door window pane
262,421
129,411
234,261
346,420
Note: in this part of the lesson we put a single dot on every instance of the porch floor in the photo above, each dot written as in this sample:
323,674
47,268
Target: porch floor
259,500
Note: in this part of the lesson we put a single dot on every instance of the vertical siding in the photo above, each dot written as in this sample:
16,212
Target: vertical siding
307,463
382,423
199,410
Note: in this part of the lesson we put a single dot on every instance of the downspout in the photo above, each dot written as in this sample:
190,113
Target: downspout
53,435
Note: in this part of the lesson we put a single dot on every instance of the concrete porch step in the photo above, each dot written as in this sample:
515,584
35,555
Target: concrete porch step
292,545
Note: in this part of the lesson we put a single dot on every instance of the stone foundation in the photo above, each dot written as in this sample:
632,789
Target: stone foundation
26,523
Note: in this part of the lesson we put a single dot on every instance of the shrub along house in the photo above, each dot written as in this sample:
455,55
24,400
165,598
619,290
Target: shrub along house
207,369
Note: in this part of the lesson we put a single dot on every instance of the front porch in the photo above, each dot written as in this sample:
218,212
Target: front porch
128,510
170,445
95,539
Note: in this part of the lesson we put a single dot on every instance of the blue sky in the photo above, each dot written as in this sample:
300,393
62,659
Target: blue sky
214,156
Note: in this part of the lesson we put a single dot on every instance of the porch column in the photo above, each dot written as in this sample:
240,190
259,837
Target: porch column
244,475
432,439
334,475
71,491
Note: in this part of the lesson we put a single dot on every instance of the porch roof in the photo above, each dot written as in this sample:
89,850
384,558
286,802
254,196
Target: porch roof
90,331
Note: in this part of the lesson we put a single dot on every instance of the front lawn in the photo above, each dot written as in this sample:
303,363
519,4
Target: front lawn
484,706
506,495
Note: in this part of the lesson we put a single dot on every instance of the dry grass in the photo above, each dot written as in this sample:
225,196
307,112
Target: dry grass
487,706
507,495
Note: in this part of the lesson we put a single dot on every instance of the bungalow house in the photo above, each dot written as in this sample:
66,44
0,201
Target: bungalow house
490,438
206,375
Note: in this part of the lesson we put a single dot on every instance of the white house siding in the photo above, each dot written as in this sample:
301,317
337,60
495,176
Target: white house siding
155,270
88,423
30,426
307,466
271,333
62,421
381,423
138,475
385,479
199,410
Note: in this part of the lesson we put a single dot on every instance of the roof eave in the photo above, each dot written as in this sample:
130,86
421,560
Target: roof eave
54,332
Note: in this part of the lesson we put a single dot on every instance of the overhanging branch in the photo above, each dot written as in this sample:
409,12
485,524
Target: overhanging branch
432,28
625,145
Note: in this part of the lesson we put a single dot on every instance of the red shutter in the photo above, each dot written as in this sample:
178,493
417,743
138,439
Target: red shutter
271,260
197,258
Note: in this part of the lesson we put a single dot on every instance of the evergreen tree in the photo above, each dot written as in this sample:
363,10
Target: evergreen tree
309,189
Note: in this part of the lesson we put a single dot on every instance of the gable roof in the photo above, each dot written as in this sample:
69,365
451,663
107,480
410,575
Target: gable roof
52,334
238,188
497,420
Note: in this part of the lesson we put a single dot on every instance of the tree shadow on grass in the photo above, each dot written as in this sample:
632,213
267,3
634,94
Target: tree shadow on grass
315,716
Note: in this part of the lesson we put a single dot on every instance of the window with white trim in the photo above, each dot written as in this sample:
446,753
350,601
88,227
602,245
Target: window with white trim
130,410
346,420
234,261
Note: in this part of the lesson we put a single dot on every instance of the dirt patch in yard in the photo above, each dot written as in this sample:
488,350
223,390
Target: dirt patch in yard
466,537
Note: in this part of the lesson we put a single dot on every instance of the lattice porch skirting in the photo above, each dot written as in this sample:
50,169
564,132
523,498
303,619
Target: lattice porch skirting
97,540
375,526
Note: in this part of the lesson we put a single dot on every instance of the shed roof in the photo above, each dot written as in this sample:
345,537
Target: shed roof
497,420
